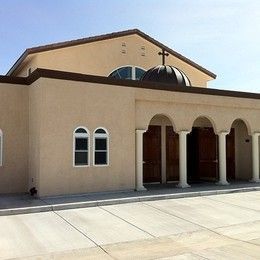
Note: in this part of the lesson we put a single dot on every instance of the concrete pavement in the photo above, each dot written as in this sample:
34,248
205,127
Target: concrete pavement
223,226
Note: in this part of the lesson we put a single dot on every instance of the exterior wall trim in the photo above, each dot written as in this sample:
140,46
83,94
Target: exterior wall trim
13,80
63,75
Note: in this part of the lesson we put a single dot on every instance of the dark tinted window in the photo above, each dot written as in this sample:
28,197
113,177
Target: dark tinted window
81,158
122,73
139,73
81,130
100,131
100,158
101,144
81,143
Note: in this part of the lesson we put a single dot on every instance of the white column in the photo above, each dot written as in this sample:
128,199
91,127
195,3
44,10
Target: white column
139,160
183,159
222,158
255,157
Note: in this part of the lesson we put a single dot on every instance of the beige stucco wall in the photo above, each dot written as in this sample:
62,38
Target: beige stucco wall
102,57
184,108
35,122
38,123
14,125
66,105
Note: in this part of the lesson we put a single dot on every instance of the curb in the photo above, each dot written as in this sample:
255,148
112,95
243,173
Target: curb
96,203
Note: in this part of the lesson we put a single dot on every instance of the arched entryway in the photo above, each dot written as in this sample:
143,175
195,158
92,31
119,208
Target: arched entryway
160,151
202,152
239,152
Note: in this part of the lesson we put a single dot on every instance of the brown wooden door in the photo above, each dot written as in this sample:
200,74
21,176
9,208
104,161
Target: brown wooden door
207,155
172,155
230,143
152,154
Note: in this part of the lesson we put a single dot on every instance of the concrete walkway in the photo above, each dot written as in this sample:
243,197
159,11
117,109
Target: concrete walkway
24,203
225,226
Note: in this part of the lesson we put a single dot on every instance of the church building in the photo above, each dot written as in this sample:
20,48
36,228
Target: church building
118,111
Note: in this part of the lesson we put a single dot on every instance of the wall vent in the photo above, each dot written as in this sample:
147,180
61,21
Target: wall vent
123,50
143,51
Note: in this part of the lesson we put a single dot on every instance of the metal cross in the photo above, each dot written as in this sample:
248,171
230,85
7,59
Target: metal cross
163,53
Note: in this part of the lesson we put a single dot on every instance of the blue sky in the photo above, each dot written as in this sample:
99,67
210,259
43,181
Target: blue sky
221,35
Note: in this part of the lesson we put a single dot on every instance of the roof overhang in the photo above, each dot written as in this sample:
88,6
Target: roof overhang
66,44
63,75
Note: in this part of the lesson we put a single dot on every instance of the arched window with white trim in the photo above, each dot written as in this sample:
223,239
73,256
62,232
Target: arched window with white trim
81,147
127,72
1,148
101,147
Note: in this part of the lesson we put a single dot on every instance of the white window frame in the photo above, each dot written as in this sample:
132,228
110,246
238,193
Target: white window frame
103,136
81,135
1,148
132,72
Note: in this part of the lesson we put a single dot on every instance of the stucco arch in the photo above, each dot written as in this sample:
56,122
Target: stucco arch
245,122
159,115
206,117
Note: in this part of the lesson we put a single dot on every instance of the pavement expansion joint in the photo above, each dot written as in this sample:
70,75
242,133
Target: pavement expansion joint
81,232
127,222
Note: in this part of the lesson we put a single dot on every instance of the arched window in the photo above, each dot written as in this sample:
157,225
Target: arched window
101,147
81,147
127,72
1,147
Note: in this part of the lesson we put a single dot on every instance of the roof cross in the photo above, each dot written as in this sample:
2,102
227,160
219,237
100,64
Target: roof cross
163,53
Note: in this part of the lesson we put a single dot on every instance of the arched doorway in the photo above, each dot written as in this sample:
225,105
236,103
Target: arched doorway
160,152
202,152
240,149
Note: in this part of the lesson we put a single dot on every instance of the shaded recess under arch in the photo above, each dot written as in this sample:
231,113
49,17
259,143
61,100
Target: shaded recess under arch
202,151
242,150
160,151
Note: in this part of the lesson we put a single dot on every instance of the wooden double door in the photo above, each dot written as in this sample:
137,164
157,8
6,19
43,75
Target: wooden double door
152,162
172,155
152,154
202,155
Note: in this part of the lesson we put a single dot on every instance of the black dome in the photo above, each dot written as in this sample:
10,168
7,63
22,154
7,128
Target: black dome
166,74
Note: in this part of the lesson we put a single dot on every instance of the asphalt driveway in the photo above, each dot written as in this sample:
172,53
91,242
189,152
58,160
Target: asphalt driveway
212,227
